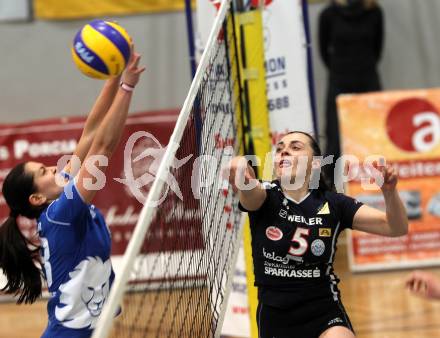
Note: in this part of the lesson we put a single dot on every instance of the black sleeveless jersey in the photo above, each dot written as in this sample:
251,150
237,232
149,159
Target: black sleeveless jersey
294,243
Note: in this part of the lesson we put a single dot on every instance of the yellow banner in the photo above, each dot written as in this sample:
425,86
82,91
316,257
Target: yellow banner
75,9
404,128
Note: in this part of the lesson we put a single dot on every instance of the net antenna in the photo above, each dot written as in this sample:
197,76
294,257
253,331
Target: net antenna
177,270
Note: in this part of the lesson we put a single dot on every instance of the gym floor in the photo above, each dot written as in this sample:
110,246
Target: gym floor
378,304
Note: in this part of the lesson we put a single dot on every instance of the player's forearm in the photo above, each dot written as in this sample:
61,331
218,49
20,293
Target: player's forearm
96,116
102,105
111,128
252,195
396,214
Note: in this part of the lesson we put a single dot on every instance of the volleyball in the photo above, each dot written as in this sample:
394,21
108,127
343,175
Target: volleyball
101,49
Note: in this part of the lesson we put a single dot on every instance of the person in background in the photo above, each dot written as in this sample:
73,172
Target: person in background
351,37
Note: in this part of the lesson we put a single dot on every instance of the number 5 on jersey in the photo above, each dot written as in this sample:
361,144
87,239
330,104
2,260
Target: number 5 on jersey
300,239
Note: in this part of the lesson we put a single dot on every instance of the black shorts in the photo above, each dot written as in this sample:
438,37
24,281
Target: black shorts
306,321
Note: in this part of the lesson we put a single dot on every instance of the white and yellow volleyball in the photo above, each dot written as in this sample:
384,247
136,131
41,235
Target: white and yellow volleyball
101,49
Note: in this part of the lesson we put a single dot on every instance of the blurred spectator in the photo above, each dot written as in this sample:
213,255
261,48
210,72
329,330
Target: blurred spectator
350,41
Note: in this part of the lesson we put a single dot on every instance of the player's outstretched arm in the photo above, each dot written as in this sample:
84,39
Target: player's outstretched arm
95,117
393,222
423,284
243,179
109,133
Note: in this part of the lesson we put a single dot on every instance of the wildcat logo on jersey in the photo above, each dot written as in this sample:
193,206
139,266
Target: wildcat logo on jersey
273,233
84,294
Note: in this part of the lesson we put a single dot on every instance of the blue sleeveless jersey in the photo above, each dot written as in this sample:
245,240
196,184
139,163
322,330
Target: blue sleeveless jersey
75,246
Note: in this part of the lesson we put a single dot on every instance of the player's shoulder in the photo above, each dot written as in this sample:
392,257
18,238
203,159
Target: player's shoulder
334,197
56,213
339,199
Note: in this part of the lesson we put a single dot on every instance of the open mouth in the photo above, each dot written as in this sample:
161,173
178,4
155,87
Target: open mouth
285,163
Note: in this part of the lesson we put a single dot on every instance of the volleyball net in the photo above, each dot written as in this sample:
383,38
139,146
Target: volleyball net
178,267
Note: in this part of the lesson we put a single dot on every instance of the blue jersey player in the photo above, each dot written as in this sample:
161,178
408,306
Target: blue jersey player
294,233
74,241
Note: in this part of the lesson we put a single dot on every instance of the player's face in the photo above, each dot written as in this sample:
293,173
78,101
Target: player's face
44,180
293,156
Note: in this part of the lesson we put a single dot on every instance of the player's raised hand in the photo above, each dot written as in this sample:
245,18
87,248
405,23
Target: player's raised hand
238,173
423,284
133,71
388,174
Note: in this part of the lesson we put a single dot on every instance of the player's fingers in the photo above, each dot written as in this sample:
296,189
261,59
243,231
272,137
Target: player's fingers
140,70
409,281
390,170
386,172
392,178
420,287
135,60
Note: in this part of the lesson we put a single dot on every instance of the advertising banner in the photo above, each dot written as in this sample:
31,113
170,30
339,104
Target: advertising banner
285,61
74,9
286,68
236,323
404,128
46,141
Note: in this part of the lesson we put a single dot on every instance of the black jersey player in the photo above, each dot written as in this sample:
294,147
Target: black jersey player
294,232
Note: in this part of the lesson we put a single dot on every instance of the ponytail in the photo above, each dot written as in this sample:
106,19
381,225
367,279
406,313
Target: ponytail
324,184
19,258
18,262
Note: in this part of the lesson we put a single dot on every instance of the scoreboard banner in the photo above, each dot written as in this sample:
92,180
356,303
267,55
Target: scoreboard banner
404,128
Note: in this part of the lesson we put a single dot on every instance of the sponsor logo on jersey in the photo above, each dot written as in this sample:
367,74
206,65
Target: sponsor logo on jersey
318,247
325,232
283,213
273,257
336,320
273,233
279,272
295,258
303,220
325,210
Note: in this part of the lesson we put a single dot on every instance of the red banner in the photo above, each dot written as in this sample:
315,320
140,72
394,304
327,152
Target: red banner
46,141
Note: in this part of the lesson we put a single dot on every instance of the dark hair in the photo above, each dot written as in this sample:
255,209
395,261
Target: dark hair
19,258
365,3
324,184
